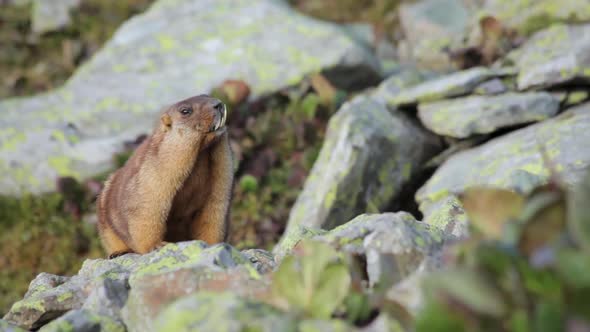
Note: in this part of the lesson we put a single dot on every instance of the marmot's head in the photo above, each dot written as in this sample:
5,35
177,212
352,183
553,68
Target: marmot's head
202,115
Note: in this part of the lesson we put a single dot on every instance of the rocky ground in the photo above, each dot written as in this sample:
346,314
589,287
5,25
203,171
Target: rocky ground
476,124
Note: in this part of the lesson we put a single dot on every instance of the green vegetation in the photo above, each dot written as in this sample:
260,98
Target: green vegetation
36,236
524,269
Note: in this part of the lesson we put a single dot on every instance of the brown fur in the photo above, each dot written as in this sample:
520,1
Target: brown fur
175,187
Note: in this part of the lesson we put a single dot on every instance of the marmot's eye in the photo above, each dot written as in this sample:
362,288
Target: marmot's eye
186,110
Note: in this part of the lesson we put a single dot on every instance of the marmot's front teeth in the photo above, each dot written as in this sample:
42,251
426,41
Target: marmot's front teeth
224,116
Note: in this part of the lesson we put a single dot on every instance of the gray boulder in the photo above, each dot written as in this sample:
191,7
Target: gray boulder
452,85
221,312
464,117
530,16
369,153
174,50
513,161
428,32
399,251
557,55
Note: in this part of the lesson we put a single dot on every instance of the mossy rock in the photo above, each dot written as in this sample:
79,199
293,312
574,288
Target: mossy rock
221,312
468,116
368,154
554,56
528,17
520,161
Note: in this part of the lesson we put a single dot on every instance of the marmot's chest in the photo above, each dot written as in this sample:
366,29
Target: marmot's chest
193,194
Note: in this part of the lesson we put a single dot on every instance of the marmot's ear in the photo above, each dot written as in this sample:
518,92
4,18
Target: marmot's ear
166,121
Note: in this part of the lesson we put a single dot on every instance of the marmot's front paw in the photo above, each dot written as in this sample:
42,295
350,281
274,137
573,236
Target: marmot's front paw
118,253
159,245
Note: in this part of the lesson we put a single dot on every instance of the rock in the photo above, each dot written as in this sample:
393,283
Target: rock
84,321
369,153
153,290
290,239
262,260
395,244
514,161
130,285
530,16
174,50
492,87
452,85
464,117
428,32
51,15
7,327
557,55
403,78
221,312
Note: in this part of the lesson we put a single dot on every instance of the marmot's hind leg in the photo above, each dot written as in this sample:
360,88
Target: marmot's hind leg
114,246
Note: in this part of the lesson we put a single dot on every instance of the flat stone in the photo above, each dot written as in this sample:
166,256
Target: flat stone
514,161
174,50
557,55
452,85
529,16
464,117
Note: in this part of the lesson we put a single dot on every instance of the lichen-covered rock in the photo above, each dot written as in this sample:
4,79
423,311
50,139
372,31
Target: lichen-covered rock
394,244
554,56
137,284
494,86
174,50
292,238
221,312
464,117
7,327
216,269
403,78
452,85
51,15
84,321
529,16
368,155
427,31
515,161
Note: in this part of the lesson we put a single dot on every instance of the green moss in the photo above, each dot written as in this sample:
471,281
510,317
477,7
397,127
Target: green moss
37,236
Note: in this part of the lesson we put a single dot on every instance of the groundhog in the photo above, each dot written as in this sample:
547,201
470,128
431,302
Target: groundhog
175,187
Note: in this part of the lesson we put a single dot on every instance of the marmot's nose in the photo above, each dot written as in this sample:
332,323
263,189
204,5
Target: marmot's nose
217,105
